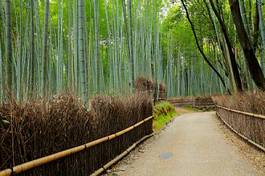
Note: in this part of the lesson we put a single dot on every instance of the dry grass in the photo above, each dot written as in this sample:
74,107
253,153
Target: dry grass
250,127
253,102
144,84
42,127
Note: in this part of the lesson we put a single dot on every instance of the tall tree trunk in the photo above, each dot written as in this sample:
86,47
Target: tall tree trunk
9,68
45,50
20,61
232,57
60,62
1,59
1,74
262,33
33,73
128,36
256,28
244,15
251,59
81,49
226,67
200,48
97,47
131,40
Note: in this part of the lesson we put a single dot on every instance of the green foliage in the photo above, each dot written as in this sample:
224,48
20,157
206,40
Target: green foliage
87,46
176,27
156,42
163,113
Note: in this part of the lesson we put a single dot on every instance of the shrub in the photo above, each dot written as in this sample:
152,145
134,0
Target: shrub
163,114
143,84
163,108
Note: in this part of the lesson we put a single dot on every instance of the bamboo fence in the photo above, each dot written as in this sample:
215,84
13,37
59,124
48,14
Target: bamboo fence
63,154
249,126
196,102
242,112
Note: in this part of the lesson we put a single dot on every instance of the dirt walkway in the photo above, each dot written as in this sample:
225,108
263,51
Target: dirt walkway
192,145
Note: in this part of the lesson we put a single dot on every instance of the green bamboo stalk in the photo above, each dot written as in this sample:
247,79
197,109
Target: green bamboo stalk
84,92
9,54
45,50
33,73
1,74
97,50
262,33
60,65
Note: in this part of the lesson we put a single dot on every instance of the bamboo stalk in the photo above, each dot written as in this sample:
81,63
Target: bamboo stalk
45,160
6,172
244,113
41,161
45,49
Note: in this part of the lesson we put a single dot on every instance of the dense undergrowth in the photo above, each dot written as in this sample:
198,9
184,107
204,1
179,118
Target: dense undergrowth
163,113
42,127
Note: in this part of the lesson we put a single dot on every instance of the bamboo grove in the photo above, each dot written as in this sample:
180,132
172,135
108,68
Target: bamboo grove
87,46
102,46
236,30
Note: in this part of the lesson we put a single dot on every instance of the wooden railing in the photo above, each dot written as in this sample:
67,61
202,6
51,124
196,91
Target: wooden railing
249,126
63,154
196,102
242,112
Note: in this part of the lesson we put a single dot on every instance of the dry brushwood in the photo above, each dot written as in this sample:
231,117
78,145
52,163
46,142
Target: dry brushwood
143,84
42,127
248,126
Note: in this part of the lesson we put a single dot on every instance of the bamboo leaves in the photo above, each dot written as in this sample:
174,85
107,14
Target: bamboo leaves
102,46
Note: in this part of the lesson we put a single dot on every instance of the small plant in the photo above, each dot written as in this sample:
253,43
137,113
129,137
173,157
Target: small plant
163,113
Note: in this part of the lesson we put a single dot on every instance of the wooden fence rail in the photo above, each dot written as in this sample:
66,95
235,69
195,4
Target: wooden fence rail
242,112
196,102
247,134
63,154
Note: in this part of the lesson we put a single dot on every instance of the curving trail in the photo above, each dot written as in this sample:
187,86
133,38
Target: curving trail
193,145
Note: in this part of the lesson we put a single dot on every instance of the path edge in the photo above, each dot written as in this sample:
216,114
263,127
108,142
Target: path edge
122,155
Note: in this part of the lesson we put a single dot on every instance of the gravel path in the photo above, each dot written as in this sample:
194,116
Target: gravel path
193,144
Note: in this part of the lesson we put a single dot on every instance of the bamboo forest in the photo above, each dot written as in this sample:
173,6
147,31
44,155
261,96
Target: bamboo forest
84,82
94,47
